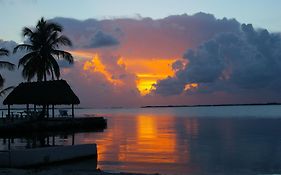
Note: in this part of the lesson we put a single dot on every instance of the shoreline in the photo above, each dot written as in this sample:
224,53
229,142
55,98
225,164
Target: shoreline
62,171
75,167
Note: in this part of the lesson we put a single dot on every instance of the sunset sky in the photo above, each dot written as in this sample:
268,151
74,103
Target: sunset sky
133,53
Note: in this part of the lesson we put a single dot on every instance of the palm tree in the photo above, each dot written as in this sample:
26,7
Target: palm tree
43,51
7,65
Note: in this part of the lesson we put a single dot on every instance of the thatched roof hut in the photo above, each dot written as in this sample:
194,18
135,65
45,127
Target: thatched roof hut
42,93
56,92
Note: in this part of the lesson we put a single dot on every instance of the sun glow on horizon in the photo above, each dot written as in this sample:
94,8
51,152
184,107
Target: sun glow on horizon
147,71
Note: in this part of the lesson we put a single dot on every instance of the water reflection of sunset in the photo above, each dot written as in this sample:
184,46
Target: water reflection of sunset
143,139
162,142
146,127
154,138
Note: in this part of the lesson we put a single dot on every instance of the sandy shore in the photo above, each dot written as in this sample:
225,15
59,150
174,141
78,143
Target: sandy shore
58,171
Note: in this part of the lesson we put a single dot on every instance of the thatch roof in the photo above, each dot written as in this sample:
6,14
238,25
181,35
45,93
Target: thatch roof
56,92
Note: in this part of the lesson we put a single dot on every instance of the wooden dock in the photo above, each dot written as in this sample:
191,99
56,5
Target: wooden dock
60,124
46,155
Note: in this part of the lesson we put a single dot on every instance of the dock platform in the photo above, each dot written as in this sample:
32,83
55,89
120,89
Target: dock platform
46,155
60,124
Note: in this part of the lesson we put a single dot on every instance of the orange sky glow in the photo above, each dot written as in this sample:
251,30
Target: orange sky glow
97,66
147,71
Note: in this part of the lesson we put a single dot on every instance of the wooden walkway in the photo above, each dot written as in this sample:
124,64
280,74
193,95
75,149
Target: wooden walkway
23,126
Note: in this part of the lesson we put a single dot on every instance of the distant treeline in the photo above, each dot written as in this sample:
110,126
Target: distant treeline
212,105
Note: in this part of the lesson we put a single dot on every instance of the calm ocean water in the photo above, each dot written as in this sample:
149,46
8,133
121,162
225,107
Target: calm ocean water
197,140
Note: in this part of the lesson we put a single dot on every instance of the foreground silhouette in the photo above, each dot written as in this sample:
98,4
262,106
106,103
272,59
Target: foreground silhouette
43,51
6,65
42,45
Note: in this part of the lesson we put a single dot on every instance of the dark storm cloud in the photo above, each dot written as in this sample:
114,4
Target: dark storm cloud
169,86
102,39
248,60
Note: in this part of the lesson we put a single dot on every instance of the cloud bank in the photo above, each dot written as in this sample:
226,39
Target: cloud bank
180,59
102,39
146,37
248,61
147,47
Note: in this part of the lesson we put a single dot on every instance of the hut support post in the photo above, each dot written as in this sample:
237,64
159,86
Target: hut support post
73,139
47,111
9,144
27,110
53,111
72,107
9,110
53,140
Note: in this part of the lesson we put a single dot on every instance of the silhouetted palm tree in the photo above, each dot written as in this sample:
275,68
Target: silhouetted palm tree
43,49
6,65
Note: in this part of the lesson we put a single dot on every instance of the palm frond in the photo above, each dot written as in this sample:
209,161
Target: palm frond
27,32
4,52
64,55
2,81
4,91
30,69
26,47
54,27
7,65
55,67
26,58
52,38
62,40
28,74
41,24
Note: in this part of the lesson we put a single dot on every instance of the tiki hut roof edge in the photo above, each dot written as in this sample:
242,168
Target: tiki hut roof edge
56,92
